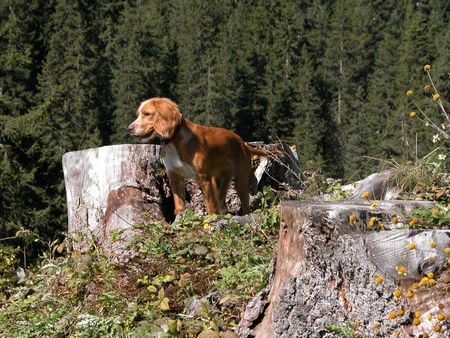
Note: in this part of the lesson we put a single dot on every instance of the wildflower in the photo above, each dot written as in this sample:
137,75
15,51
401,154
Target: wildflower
432,245
414,221
427,67
416,321
417,314
430,317
365,194
409,294
425,335
442,157
412,114
445,279
415,286
394,219
397,293
436,138
376,325
431,281
352,218
412,246
379,280
430,275
392,315
447,250
373,205
401,270
424,281
436,97
435,212
437,328
400,312
372,221
382,226
440,317
409,93
426,88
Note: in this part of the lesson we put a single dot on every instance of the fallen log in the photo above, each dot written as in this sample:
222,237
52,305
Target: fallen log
326,270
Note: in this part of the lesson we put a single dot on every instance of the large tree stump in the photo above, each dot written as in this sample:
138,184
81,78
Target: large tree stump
326,268
109,189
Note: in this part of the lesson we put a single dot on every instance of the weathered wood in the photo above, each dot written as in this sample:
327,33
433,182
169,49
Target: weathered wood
326,268
109,189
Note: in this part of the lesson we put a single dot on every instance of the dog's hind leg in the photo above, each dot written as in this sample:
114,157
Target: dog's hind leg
221,185
241,182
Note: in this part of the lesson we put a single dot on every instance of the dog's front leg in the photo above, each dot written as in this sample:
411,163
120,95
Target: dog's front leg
178,186
207,187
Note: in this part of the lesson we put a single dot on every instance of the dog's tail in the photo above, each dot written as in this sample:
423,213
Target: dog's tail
261,151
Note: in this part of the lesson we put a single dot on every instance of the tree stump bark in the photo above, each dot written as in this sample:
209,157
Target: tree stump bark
110,189
326,268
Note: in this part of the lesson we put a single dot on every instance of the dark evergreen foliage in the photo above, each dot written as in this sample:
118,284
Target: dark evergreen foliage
329,76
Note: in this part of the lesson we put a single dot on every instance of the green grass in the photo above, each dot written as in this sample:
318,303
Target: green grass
89,296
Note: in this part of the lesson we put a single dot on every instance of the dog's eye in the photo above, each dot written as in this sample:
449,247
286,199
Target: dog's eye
146,113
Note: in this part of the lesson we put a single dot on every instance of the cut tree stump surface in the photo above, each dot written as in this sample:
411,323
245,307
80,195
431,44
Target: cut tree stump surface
326,268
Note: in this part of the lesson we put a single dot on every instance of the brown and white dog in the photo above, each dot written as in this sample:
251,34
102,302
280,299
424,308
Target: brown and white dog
212,156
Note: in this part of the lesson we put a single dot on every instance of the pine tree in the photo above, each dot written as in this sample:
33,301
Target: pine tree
142,62
347,63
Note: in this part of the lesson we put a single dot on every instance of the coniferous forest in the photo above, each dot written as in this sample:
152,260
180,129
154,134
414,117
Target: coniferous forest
327,75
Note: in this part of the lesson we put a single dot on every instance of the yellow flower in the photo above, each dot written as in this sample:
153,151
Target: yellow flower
436,97
409,93
435,212
431,281
382,226
400,312
430,275
432,245
437,328
412,114
430,317
447,250
424,281
397,293
392,315
401,270
412,246
416,321
409,294
417,314
373,205
415,286
379,280
352,218
426,67
425,335
440,317
372,221
365,194
394,219
376,325
426,88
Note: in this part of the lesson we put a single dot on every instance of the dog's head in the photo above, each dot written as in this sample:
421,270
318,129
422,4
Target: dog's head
156,116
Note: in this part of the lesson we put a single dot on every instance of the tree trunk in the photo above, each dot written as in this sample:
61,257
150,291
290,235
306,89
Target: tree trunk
326,269
110,189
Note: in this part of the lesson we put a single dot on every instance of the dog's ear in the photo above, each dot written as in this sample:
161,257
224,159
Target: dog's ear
169,117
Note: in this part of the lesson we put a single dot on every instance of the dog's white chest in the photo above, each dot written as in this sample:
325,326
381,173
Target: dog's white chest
173,162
